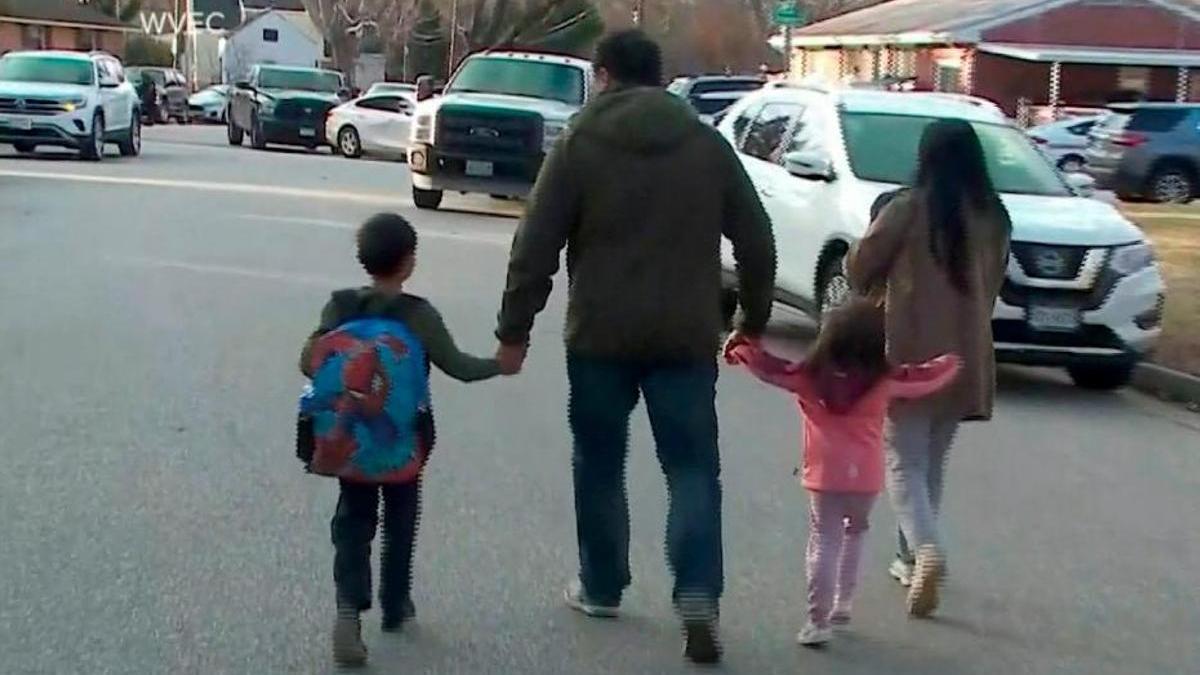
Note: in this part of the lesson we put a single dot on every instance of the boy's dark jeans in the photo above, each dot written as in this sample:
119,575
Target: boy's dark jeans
353,529
680,400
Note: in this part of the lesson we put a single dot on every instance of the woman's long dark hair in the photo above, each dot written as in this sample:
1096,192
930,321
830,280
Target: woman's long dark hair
952,176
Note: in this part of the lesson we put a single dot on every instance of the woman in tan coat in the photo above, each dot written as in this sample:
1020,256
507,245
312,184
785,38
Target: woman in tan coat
937,255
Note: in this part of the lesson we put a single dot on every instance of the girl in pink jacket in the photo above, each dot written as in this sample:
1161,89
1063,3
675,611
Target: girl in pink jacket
843,388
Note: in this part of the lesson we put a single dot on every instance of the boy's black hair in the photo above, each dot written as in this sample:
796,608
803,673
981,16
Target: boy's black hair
385,241
631,58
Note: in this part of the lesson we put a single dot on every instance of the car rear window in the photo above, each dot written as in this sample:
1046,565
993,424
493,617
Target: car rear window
1157,119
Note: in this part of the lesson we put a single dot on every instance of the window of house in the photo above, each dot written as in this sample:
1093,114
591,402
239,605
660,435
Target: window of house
33,37
1133,78
949,78
270,35
86,40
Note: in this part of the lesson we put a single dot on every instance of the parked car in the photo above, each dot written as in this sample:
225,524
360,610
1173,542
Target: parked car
712,95
1148,151
490,131
283,105
210,104
1064,142
391,88
1083,290
377,124
163,93
69,100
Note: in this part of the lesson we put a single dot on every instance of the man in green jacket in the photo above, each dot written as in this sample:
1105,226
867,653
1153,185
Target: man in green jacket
640,192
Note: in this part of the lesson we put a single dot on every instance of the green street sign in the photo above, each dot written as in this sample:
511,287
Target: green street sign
788,14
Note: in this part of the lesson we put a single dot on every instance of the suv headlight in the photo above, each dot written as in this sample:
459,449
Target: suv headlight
73,104
1133,258
422,130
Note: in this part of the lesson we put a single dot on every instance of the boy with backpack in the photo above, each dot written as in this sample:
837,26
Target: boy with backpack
367,420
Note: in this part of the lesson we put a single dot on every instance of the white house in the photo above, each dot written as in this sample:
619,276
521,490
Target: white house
271,37
293,9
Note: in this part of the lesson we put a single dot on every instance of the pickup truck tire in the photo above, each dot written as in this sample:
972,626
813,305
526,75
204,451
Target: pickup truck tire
235,133
24,147
1101,378
93,145
131,144
258,139
428,200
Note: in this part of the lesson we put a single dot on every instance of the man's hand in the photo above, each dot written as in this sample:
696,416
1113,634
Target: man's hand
511,358
737,339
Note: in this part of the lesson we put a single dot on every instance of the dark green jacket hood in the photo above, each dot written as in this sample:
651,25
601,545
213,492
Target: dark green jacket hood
643,120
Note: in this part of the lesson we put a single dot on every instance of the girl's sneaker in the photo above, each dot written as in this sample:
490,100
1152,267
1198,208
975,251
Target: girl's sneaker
926,582
813,635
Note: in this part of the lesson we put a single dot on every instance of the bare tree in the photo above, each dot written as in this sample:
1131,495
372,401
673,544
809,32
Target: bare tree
342,22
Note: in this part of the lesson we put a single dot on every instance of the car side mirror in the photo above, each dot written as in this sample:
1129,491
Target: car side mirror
1082,184
109,83
809,165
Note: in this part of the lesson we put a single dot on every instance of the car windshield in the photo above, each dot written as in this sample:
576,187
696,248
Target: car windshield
520,77
883,148
306,80
55,69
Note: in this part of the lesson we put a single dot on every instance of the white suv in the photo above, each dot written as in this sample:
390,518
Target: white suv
70,100
1083,290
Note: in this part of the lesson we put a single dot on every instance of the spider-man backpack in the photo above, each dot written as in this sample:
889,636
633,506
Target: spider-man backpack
363,415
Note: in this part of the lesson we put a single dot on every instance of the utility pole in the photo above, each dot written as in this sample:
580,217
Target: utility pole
453,39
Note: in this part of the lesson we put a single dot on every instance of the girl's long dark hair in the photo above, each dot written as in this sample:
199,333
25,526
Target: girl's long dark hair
850,354
952,176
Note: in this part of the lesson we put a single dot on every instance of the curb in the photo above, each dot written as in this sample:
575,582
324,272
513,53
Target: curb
1177,385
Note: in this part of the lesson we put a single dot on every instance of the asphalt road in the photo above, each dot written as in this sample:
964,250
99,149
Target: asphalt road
153,519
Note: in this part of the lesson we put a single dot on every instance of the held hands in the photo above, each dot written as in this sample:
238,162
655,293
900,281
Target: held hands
732,350
511,358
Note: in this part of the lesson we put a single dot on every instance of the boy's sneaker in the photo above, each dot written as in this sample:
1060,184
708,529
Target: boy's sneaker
393,622
813,635
901,571
577,599
349,651
926,582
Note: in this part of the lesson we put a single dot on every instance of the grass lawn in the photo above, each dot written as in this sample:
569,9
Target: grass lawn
1175,232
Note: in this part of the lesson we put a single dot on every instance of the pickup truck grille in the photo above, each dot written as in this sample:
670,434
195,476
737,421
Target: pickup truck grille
302,111
30,106
488,134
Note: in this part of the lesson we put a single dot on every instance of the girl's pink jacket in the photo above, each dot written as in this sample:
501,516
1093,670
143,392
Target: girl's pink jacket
843,450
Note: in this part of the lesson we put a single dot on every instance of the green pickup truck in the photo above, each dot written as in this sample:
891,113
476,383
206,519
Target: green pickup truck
284,106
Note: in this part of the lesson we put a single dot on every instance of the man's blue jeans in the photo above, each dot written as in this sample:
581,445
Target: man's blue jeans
680,400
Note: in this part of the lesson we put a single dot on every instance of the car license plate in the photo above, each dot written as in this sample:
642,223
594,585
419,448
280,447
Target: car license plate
308,133
1053,319
19,123
480,169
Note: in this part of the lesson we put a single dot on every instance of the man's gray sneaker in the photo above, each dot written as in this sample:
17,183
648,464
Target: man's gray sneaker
577,599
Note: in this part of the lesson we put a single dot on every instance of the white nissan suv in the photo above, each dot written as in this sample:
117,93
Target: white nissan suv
1083,290
68,99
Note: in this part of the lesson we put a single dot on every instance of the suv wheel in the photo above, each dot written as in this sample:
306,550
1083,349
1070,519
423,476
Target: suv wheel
349,144
833,288
131,145
1172,185
1101,378
428,200
93,145
257,140
1071,164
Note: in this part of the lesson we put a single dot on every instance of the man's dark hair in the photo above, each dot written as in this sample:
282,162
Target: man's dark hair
385,241
632,58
